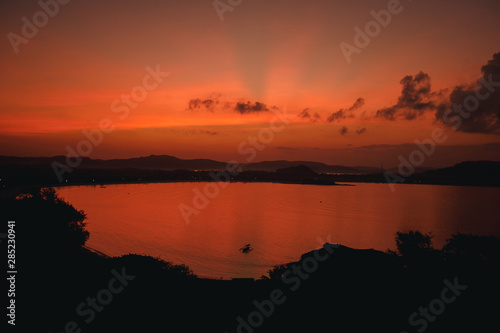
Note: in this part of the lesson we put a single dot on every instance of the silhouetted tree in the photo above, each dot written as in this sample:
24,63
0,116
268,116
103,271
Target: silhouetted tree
276,273
413,242
416,250
472,251
48,220
153,265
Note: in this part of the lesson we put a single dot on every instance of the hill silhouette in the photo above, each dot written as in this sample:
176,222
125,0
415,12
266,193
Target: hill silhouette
299,171
26,171
167,162
475,173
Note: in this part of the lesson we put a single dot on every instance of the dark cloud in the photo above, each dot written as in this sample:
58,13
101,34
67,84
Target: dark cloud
359,103
361,131
340,114
343,113
194,104
249,107
316,116
209,104
343,130
416,98
305,114
475,108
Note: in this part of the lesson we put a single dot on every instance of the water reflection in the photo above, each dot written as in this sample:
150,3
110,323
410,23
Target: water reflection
280,221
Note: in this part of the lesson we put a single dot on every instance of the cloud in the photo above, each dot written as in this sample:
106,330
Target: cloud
249,107
209,104
343,113
476,107
340,114
416,98
343,130
305,114
359,103
361,131
194,104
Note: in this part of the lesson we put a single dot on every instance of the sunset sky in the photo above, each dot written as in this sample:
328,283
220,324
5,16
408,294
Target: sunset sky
227,76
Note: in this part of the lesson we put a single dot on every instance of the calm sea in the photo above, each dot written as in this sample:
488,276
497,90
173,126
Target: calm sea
280,221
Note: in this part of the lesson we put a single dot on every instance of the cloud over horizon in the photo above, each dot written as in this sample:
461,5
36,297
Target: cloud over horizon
306,114
361,131
415,99
481,101
209,104
343,114
249,107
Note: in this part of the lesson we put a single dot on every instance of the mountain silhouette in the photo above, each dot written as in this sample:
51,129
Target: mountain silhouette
297,172
477,173
167,162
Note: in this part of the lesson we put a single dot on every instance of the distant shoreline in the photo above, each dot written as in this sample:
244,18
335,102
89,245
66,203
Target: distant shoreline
479,173
189,181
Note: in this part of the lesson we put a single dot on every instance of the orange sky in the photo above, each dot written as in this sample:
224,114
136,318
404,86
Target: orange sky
282,54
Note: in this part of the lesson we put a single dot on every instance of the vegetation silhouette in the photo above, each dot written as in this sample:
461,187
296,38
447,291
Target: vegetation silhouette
66,227
416,251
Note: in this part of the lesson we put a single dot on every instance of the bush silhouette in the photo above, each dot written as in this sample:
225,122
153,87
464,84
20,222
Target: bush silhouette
472,250
153,265
413,243
276,273
415,249
48,220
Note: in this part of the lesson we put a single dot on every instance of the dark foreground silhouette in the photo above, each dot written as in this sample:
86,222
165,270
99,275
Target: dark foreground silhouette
63,286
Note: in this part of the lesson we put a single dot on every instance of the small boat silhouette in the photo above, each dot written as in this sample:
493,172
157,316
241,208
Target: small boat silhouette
247,248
